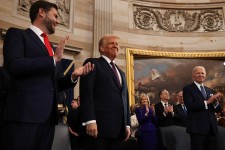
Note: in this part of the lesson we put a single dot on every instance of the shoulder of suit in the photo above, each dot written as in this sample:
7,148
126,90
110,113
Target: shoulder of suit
189,85
178,105
15,30
91,60
158,104
207,87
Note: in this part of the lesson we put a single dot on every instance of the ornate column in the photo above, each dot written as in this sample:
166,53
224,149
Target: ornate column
102,22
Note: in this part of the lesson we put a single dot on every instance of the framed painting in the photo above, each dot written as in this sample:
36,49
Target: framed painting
151,71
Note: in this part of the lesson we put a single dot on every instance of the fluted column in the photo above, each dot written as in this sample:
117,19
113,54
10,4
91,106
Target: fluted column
102,22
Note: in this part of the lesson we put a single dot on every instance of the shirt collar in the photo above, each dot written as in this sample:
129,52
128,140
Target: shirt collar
163,103
36,30
107,59
198,85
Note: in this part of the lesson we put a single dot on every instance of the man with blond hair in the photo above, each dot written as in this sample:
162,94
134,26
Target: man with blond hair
104,100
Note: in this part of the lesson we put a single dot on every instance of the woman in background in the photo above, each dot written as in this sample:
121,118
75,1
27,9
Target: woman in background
147,124
133,120
221,120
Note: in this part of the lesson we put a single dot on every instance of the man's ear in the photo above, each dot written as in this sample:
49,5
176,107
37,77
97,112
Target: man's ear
102,49
41,12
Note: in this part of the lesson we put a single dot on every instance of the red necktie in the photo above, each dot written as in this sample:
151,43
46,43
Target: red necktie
47,44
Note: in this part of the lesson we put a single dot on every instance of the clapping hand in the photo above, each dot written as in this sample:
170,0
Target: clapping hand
59,49
218,97
170,108
213,98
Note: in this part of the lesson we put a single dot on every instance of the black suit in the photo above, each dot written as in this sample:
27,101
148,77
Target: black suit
35,82
74,122
163,120
104,100
4,86
181,119
201,122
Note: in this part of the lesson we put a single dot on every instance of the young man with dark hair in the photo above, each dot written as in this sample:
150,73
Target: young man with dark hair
33,64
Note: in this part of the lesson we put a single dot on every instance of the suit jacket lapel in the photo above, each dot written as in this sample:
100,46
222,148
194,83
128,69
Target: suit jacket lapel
38,41
123,78
196,89
109,69
208,92
181,110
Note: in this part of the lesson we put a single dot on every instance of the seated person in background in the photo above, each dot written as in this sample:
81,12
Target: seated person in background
133,120
78,100
181,111
164,110
75,126
147,124
175,99
62,108
221,120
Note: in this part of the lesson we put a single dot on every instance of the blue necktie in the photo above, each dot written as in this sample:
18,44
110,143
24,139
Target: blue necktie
185,109
203,92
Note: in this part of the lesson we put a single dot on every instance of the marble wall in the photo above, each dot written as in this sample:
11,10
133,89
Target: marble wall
161,25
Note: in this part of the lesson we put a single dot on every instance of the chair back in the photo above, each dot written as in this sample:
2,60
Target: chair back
61,139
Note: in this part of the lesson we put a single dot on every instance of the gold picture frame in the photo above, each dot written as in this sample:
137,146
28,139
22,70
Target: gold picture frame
149,55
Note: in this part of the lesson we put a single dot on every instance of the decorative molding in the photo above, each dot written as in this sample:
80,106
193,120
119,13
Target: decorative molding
178,20
65,11
69,48
102,22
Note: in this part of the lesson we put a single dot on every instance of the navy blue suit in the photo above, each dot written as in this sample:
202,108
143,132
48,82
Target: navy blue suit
147,128
181,119
200,121
35,80
104,100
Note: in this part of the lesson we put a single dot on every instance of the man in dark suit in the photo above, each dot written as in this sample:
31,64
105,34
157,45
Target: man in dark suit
75,126
30,111
104,100
165,114
164,110
201,107
181,111
4,86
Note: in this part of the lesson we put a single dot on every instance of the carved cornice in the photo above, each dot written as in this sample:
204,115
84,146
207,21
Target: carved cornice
178,20
64,10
